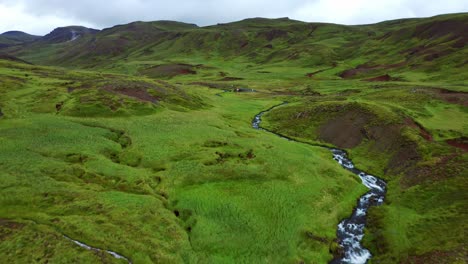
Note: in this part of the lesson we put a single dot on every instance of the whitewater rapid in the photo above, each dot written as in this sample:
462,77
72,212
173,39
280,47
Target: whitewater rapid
350,231
112,253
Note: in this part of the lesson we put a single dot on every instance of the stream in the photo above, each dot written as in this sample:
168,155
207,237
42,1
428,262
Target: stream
112,253
350,231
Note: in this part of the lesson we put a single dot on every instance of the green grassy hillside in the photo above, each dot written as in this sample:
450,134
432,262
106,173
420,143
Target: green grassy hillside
133,139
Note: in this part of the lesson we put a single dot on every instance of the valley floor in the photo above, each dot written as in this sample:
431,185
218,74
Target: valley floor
172,171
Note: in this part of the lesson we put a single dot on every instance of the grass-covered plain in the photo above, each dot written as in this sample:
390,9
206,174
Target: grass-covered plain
168,186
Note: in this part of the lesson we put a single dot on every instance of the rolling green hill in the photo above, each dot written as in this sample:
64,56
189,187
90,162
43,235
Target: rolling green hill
138,139
401,47
11,38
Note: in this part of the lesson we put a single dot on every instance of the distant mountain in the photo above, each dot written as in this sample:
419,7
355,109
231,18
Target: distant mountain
356,52
16,37
70,33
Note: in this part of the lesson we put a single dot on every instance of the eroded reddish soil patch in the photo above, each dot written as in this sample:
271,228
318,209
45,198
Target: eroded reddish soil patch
434,257
139,94
383,78
422,131
461,143
344,131
366,68
137,90
169,70
352,126
453,97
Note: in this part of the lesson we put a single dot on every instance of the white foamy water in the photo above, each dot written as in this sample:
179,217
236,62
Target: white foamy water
75,36
350,231
112,253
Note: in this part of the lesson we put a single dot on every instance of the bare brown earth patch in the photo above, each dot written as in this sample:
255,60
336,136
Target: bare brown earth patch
10,224
138,93
355,125
382,78
434,257
137,90
366,68
169,70
453,97
422,131
344,131
7,228
461,143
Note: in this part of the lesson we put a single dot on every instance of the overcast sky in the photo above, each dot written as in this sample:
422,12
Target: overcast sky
41,16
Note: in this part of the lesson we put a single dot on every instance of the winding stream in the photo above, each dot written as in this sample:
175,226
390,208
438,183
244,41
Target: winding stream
351,230
112,253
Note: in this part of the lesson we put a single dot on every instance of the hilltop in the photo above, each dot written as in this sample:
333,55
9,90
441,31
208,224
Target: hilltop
395,47
11,38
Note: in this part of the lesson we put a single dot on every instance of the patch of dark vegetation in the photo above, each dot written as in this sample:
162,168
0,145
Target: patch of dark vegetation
58,106
272,34
1,113
214,144
309,91
4,56
227,79
314,237
336,249
76,158
227,156
427,52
